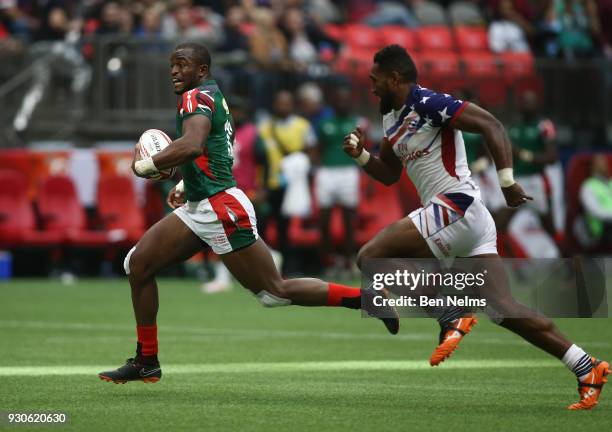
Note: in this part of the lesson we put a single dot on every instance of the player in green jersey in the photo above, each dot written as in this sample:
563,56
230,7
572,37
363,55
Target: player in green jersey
209,211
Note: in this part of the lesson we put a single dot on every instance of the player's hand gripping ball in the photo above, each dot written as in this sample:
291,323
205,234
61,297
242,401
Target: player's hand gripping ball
150,143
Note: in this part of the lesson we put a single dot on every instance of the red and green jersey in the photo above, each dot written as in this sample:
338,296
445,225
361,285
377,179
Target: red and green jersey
211,172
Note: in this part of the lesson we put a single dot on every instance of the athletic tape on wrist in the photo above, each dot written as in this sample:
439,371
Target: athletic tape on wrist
506,177
146,167
363,157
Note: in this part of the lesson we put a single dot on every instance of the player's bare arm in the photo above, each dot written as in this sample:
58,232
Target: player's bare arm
186,148
477,120
385,168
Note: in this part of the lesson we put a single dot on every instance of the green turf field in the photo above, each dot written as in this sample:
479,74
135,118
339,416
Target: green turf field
230,364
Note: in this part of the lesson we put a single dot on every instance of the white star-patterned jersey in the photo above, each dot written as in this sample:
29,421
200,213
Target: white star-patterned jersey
453,220
424,140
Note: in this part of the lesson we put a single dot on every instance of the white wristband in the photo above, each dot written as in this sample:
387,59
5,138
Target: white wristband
363,157
180,187
146,167
506,177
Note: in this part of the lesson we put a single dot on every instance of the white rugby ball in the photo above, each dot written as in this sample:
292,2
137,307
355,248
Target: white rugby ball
150,143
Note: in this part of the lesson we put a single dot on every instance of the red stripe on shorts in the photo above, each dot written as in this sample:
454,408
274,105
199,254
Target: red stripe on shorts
222,203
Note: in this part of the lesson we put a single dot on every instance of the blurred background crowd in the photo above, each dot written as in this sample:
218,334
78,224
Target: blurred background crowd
80,80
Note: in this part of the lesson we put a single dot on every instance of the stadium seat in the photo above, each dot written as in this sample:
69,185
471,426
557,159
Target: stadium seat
492,93
441,65
17,219
360,36
62,212
517,65
399,35
434,38
20,160
480,65
472,39
118,209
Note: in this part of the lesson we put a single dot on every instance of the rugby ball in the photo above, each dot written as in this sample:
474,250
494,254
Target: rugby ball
150,143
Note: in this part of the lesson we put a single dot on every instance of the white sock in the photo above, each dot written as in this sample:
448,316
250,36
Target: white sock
578,362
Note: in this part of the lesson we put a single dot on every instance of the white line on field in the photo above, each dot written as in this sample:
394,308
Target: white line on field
241,333
263,367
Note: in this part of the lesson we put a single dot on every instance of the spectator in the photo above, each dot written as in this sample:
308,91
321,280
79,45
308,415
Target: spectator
235,40
284,134
112,19
13,22
150,25
578,25
391,13
595,229
505,35
269,53
337,181
55,25
310,98
534,148
188,21
268,45
301,50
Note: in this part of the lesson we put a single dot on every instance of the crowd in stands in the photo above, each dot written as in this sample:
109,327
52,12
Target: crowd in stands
291,33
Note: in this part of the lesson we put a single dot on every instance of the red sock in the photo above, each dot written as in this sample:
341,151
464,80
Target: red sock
147,338
336,293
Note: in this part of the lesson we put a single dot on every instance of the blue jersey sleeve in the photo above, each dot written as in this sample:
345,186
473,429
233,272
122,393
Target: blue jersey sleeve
437,109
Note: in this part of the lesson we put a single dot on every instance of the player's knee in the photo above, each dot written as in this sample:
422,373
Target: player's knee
126,261
365,253
137,265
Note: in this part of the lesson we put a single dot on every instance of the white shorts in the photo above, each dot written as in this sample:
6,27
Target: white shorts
456,225
535,185
337,185
225,221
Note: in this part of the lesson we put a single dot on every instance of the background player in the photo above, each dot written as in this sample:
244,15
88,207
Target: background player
216,213
422,133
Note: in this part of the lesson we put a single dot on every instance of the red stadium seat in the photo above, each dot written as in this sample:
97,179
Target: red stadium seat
441,65
361,36
117,208
399,35
62,212
17,220
517,65
434,38
20,160
492,93
480,65
472,39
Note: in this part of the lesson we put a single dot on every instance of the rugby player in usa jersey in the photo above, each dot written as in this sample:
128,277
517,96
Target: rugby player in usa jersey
422,134
209,211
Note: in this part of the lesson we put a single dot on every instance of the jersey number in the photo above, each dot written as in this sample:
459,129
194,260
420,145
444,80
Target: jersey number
229,132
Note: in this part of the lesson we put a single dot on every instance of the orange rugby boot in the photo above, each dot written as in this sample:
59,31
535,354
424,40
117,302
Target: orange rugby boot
450,336
590,389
